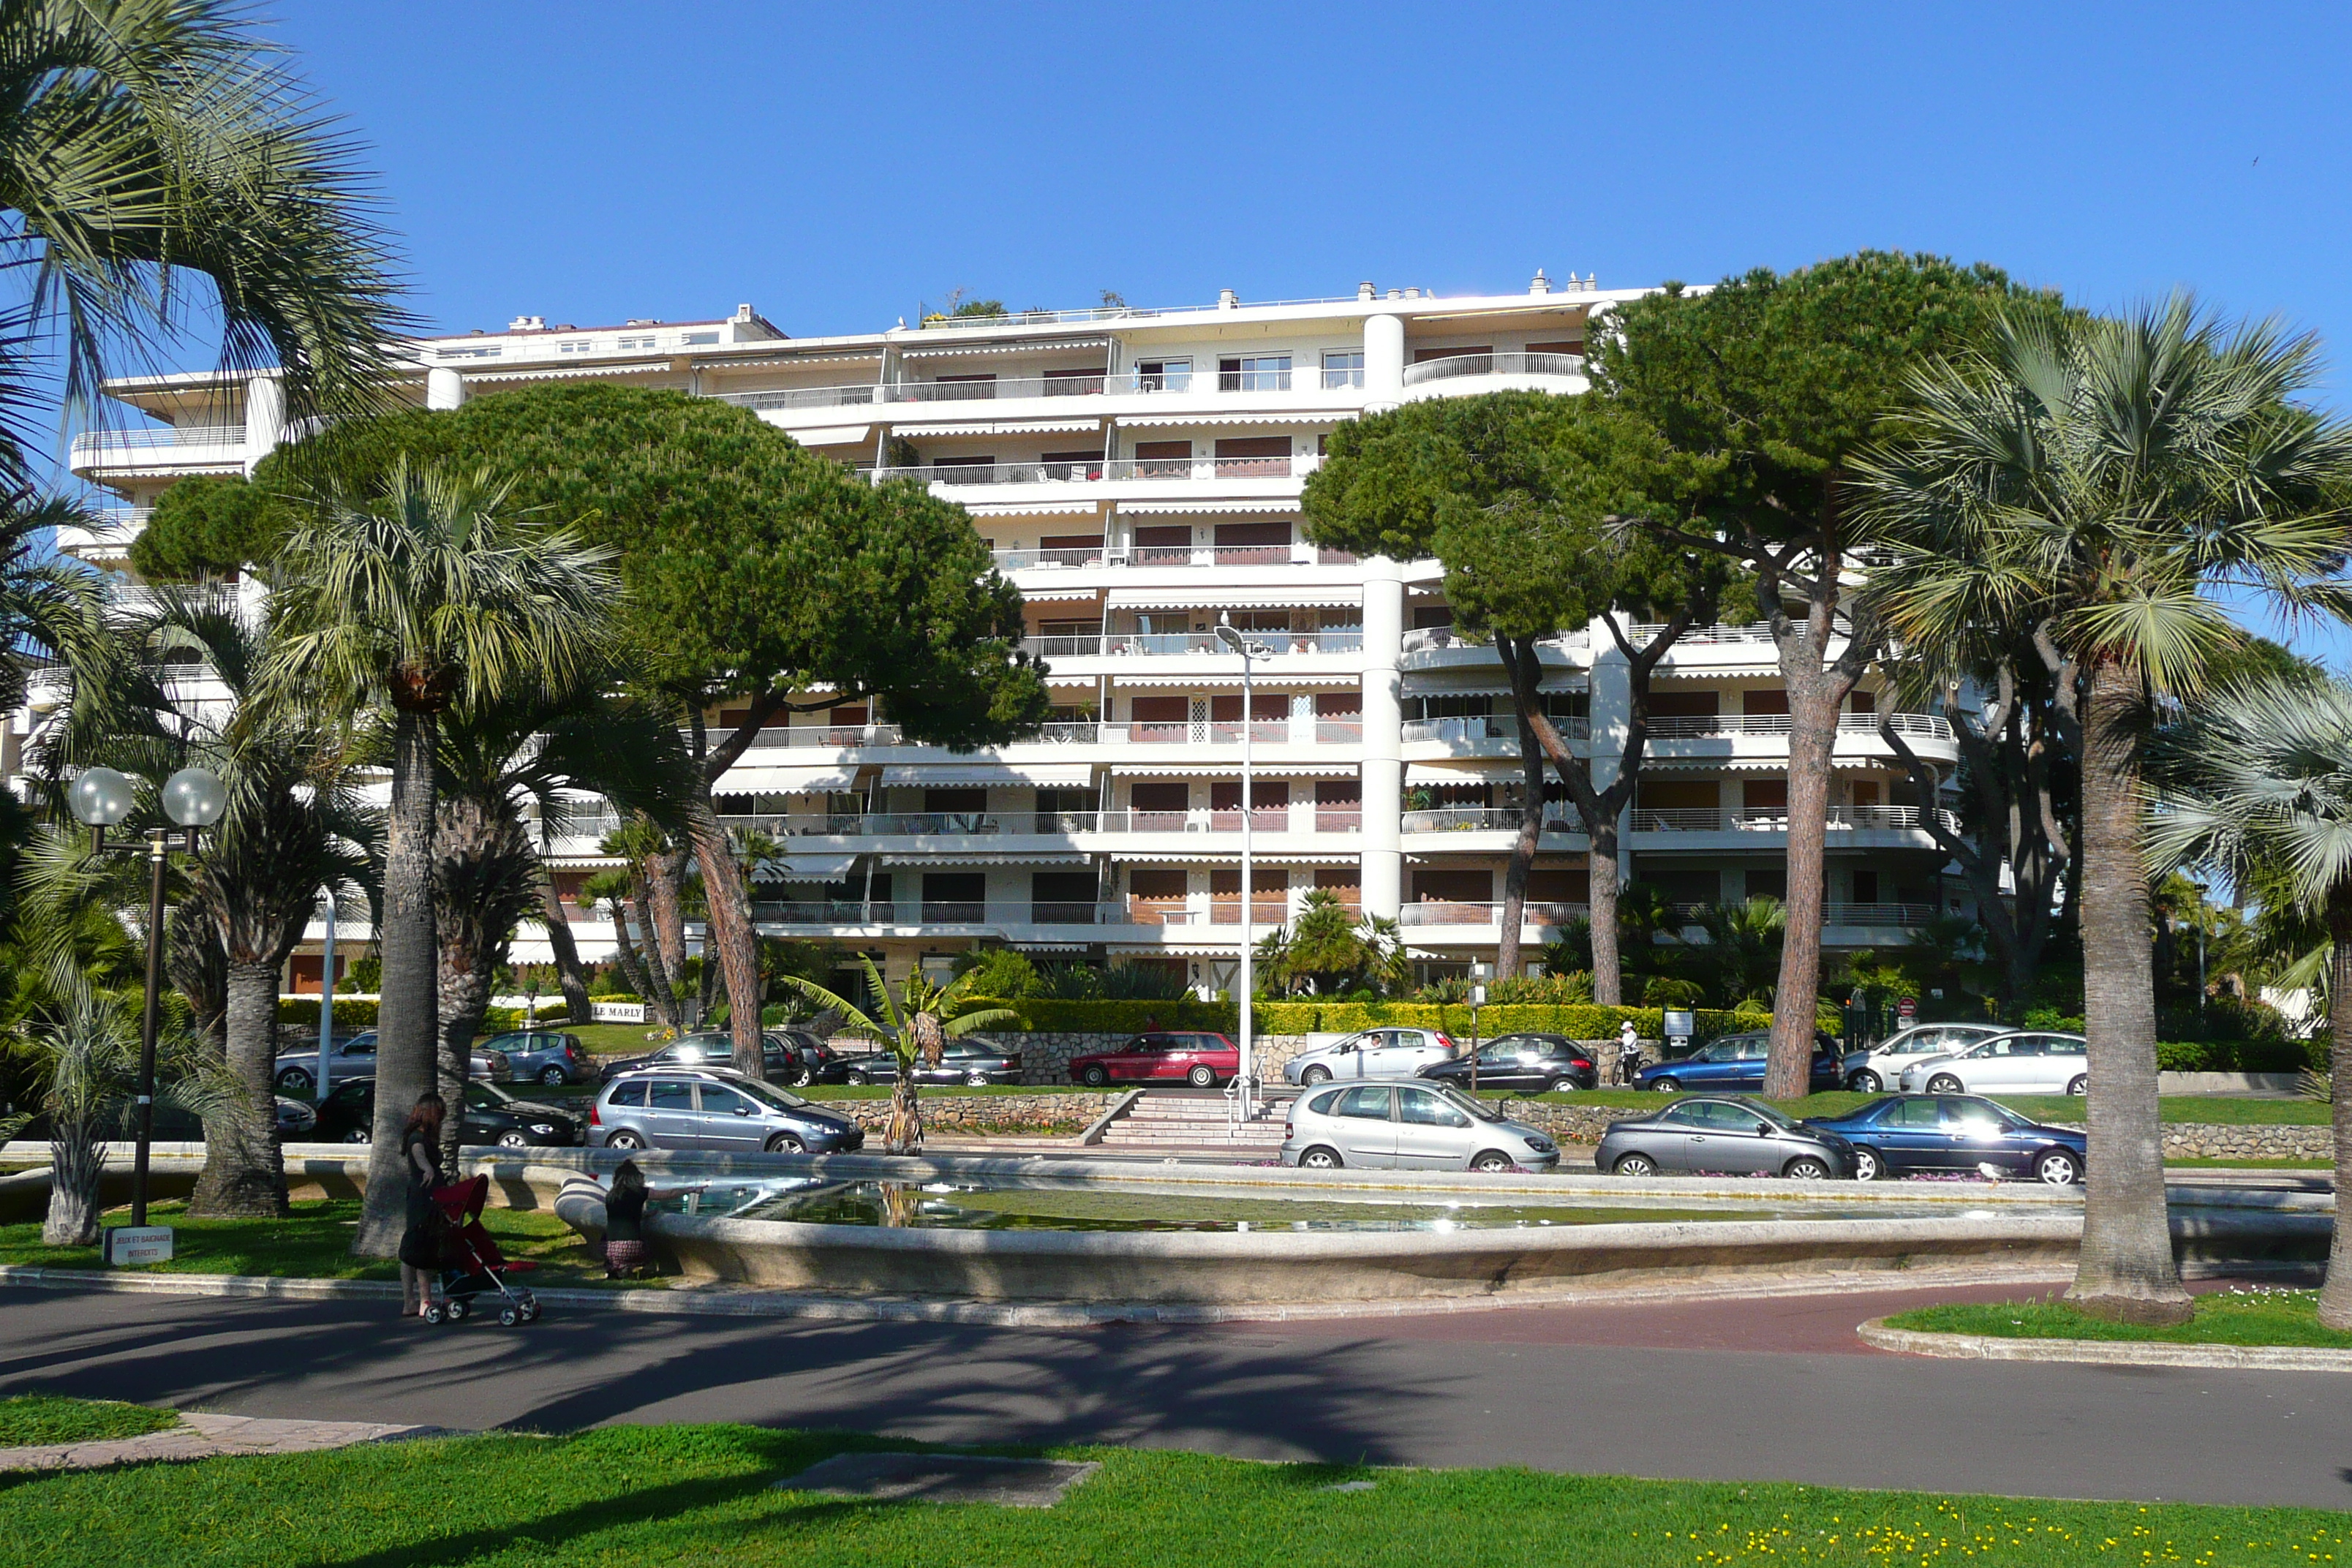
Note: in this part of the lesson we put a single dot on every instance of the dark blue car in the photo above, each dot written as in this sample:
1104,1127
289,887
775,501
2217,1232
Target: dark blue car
1737,1062
1921,1134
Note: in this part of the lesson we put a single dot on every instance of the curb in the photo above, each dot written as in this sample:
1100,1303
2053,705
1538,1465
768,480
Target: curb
2105,1353
779,1304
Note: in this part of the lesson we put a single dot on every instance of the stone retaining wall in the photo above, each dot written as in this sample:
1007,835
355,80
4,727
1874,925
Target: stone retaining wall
1008,1113
2206,1141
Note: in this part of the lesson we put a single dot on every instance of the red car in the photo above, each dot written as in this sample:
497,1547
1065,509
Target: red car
1200,1060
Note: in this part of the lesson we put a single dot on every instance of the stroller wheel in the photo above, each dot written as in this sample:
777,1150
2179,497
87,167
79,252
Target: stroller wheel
457,1308
433,1312
529,1311
509,1317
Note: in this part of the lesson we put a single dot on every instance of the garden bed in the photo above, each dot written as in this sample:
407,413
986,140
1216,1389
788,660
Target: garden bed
2242,1315
41,1420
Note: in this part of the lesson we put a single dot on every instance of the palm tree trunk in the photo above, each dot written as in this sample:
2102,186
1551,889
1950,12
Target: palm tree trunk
570,973
465,987
2127,1271
408,1017
905,1133
245,1170
2335,1296
1523,852
1601,890
728,925
661,980
625,952
666,884
76,1166
1812,735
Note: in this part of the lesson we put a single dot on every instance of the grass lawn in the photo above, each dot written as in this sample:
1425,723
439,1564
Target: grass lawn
2250,1315
37,1420
2216,1110
704,1494
315,1243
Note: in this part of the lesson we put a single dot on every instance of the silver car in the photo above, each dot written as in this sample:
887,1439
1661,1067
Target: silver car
714,1107
296,1071
1881,1067
1408,1126
2022,1061
1375,1053
1735,1137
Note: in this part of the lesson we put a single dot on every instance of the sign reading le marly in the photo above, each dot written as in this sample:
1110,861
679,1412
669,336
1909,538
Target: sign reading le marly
128,1244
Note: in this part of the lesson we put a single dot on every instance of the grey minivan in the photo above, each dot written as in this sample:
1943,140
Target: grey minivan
1408,1126
714,1107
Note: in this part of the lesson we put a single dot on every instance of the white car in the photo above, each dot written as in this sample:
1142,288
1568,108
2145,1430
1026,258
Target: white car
2025,1061
1375,1053
1408,1126
1870,1071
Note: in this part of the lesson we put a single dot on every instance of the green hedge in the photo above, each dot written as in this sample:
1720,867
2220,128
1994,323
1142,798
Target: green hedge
1046,1016
359,1012
2242,1055
1585,1022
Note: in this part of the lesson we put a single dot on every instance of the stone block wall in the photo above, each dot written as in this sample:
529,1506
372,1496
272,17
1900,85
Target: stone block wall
2206,1141
946,1111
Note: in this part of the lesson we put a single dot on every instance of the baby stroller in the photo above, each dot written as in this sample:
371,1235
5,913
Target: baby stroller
471,1262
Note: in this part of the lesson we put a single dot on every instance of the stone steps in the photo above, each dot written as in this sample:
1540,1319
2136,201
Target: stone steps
1188,1122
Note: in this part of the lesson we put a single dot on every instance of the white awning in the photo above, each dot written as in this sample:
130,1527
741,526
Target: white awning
709,362
1209,675
1050,678
1232,770
1057,593
1233,857
1041,775
1304,417
1208,596
957,350
1001,427
752,777
567,373
805,868
831,434
950,858
1183,508
1036,509
1500,771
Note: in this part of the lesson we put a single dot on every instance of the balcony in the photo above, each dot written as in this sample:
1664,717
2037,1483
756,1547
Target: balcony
1018,388
1485,820
163,447
1481,730
1040,824
1166,644
1688,917
1840,819
1436,913
998,915
1454,366
1108,471
1436,639
1923,726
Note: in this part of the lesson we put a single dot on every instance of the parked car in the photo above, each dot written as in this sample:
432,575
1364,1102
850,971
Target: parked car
1199,1059
298,1070
1910,1134
296,1122
710,1047
1375,1053
1524,1064
2025,1061
1408,1126
974,1060
714,1107
550,1059
1736,1062
493,1116
1869,1071
1734,1137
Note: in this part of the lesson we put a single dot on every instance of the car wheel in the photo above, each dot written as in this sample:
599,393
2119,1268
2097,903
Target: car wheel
513,1141
623,1138
1320,1160
975,1080
855,1075
1870,1165
2058,1168
1200,1077
1314,1076
1944,1083
1665,1085
359,1135
2081,1085
804,1078
1094,1077
1494,1160
293,1082
552,1077
785,1144
1806,1168
1865,1082
1638,1166
1563,1085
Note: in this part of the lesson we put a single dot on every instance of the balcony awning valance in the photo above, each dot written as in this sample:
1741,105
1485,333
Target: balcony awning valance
942,775
832,435
1210,675
1231,858
1059,594
959,351
567,373
804,868
952,857
1209,597
1036,509
707,361
1334,770
1000,427
1502,770
751,778
1197,508
1167,421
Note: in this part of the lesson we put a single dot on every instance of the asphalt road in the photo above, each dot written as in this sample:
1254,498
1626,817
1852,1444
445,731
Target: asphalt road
1772,1389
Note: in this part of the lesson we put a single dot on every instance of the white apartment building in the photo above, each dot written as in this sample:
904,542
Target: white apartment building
1138,473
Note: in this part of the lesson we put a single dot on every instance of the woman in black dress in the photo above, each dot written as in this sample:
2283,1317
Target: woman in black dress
420,1244
624,1217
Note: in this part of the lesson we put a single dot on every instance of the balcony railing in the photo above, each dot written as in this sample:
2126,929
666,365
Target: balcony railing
838,912
1836,913
91,442
1477,728
1505,363
1436,913
1349,639
1422,639
1112,470
1686,726
1483,819
1843,818
1043,824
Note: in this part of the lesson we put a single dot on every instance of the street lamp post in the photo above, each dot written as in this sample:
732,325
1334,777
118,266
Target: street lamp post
1251,650
194,798
326,1007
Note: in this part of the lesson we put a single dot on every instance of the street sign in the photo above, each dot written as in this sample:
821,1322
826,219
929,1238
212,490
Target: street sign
1678,1024
129,1244
1908,1009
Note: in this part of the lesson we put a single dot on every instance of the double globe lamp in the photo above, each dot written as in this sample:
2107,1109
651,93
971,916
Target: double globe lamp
194,798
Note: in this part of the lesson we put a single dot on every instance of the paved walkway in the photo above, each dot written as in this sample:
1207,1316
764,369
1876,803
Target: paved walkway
201,1436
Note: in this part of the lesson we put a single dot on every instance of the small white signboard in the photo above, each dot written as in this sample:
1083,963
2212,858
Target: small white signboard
618,1011
127,1243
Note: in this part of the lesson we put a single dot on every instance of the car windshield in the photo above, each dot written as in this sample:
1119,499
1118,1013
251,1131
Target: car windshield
1766,1113
1985,1111
1483,1112
774,1098
479,1094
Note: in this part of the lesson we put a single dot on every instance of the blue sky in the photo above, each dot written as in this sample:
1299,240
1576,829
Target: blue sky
591,161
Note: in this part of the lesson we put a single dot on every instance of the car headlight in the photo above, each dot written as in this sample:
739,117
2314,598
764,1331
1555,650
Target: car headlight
1542,1145
544,1129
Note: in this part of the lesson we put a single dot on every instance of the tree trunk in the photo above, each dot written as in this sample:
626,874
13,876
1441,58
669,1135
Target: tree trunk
570,973
625,952
408,1017
662,980
2336,1295
464,997
76,1166
2127,1272
666,884
1523,852
905,1133
729,930
1601,878
1813,736
245,1171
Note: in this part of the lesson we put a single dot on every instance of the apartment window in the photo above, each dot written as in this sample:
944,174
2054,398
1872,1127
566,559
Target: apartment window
1572,346
963,471
1072,383
1265,707
1254,373
487,350
1163,459
964,388
1260,543
1244,456
643,343
966,800
1559,887
1163,375
1764,884
577,346
1072,547
696,340
1429,618
1865,887
1343,368
1454,887
1072,465
1682,705
1062,898
1164,545
1759,703
1422,356
1156,882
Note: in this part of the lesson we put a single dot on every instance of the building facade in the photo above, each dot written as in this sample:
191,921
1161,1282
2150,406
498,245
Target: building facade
1138,476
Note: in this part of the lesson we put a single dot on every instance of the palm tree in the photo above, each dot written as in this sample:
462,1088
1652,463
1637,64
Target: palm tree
2103,478
1330,950
2258,783
1744,945
432,594
916,1026
146,141
294,823
609,891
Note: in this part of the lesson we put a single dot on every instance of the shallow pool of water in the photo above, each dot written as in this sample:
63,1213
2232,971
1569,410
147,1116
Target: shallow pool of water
1045,1204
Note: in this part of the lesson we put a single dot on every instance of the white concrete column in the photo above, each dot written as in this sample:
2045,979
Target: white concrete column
1383,753
1384,363
1610,705
444,388
264,418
